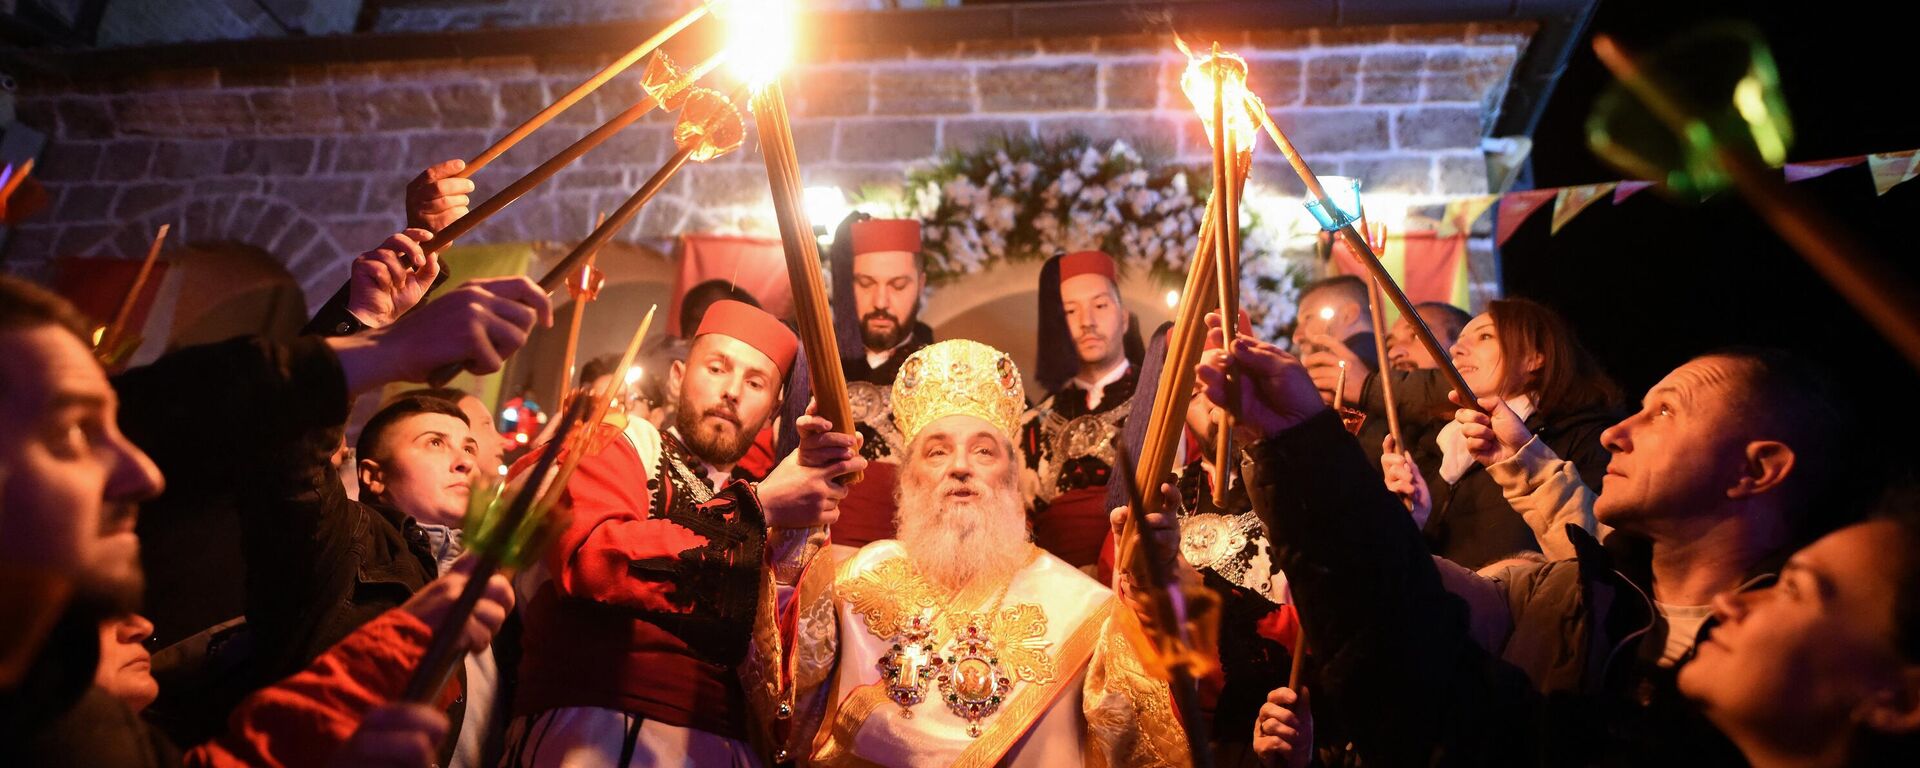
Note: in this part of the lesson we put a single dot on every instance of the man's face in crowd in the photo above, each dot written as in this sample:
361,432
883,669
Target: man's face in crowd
886,293
1681,452
489,446
425,468
960,460
126,668
1404,350
70,483
1814,652
960,513
1325,312
728,392
1097,319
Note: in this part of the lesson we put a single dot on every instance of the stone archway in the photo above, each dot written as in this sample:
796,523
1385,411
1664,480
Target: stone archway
307,250
227,289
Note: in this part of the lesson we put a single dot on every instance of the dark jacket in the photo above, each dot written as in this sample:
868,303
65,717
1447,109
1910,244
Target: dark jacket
319,564
264,417
1472,523
1545,668
1420,400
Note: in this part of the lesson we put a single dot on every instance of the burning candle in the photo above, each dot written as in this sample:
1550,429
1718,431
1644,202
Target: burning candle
760,42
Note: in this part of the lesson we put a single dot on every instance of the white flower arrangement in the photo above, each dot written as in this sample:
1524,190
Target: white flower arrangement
1019,199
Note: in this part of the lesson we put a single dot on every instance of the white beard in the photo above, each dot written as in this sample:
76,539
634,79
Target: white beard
953,542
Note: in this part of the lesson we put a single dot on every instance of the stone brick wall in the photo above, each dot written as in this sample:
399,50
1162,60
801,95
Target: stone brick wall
309,162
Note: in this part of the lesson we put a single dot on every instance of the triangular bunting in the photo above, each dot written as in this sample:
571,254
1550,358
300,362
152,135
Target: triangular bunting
1460,215
1515,207
1890,169
1570,201
1628,189
1818,168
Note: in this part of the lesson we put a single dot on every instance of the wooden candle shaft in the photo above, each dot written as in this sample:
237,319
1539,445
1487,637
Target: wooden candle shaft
602,403
1358,244
580,91
561,271
1299,652
1171,393
1224,278
535,177
573,347
124,314
810,306
1384,374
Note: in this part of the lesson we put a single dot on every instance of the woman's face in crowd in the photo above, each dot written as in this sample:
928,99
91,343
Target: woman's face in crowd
1811,657
1477,354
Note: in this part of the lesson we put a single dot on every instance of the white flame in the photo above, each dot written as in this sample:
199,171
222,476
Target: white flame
826,206
759,38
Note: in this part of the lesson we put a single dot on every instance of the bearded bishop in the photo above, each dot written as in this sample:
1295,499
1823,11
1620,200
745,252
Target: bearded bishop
959,642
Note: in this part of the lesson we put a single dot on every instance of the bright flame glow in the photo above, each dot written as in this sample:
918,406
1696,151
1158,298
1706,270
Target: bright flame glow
826,206
503,470
1326,313
520,437
1197,83
633,374
1173,299
759,38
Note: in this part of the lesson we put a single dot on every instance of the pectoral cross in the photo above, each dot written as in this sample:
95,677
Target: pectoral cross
913,658
904,667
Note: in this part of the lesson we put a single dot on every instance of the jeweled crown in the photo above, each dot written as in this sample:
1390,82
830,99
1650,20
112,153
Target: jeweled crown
958,376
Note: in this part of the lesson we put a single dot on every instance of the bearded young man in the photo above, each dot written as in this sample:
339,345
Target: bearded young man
958,643
640,611
877,273
1068,437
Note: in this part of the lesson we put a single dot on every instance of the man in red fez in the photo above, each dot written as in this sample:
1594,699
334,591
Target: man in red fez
878,275
640,612
1068,437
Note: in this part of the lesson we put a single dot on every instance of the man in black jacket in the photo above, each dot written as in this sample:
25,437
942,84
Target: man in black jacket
1549,663
70,480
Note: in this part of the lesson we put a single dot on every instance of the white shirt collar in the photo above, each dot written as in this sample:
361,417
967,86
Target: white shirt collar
880,358
1097,389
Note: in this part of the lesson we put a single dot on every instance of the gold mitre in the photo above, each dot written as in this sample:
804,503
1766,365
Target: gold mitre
958,376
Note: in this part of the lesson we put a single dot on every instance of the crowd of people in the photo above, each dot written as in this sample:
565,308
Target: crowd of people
1545,574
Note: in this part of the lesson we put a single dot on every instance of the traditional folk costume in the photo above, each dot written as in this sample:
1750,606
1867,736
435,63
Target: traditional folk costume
1068,437
867,662
637,618
866,514
1258,625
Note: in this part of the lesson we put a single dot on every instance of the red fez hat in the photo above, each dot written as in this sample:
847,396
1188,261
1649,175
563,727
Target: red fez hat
876,235
1088,263
754,327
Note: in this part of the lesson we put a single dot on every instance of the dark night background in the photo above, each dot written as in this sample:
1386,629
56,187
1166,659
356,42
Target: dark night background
1651,282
